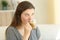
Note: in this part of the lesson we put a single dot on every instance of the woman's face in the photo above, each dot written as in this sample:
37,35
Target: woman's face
27,15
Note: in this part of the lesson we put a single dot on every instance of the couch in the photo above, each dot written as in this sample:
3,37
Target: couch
47,31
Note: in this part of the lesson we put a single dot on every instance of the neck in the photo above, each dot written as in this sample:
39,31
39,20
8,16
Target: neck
21,29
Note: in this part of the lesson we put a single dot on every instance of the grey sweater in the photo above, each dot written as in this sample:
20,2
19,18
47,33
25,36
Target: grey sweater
13,34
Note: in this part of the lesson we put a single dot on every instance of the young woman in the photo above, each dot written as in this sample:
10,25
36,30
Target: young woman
20,28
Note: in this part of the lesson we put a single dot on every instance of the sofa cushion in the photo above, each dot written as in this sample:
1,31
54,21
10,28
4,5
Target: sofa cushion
2,32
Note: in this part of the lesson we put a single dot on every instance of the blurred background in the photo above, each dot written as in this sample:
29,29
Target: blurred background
47,15
47,11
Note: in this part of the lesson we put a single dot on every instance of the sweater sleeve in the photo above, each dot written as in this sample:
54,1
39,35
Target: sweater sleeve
10,34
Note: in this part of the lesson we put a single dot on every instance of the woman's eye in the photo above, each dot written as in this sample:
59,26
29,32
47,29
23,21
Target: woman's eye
32,13
26,14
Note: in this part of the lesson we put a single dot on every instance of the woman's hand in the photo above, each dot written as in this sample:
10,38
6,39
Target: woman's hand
27,31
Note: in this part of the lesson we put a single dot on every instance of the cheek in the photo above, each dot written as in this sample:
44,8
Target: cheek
24,19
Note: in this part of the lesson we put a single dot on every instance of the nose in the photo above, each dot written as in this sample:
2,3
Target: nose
30,17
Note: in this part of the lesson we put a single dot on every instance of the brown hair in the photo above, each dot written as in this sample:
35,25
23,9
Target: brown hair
20,8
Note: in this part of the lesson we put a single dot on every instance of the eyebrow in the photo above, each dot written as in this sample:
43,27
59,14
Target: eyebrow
32,13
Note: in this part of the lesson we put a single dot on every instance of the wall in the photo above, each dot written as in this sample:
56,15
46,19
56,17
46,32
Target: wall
57,11
50,12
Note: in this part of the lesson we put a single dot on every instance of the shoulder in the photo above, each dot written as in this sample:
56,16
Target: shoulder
36,28
37,32
10,29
